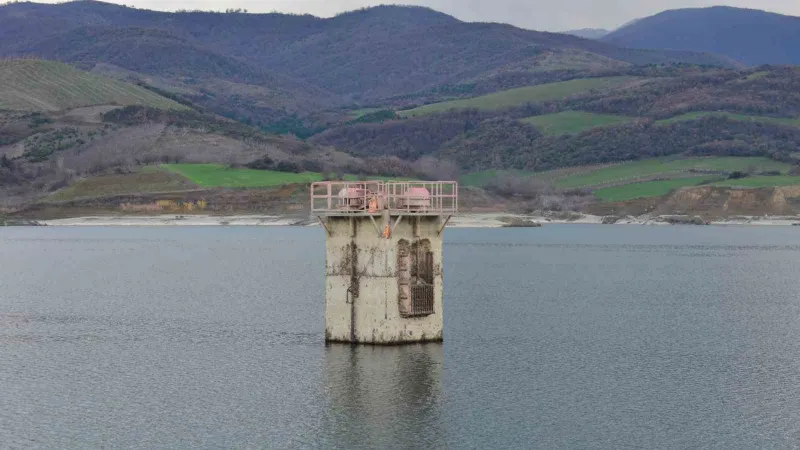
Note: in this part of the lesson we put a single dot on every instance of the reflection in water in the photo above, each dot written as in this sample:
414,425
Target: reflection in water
383,397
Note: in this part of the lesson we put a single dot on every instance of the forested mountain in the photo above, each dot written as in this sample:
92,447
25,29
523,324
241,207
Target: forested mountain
366,54
750,36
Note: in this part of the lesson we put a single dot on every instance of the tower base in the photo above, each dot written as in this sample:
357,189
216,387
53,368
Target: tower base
383,283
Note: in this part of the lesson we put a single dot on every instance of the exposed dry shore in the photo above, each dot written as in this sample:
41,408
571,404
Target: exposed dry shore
485,220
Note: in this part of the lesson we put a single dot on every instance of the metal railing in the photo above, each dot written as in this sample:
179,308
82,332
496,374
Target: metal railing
347,198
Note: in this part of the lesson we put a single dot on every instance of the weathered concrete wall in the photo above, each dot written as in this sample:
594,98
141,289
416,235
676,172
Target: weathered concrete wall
362,290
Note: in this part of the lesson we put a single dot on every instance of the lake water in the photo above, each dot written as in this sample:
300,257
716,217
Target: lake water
560,337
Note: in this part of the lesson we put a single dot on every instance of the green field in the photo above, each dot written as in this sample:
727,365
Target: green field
632,180
662,166
573,122
589,176
520,96
34,85
663,187
756,75
647,189
756,182
216,175
117,184
743,117
359,113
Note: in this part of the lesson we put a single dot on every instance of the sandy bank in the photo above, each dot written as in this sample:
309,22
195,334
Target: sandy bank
173,220
494,220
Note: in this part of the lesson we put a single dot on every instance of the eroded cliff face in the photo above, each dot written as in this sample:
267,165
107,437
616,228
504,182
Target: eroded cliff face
712,202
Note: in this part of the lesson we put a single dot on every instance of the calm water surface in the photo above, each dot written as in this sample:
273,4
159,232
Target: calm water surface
559,337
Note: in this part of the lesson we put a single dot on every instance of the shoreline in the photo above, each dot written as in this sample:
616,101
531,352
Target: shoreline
468,220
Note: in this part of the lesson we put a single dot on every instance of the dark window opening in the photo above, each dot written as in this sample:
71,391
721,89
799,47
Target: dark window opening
415,278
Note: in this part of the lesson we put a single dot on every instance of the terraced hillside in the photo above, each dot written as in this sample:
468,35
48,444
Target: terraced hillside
38,85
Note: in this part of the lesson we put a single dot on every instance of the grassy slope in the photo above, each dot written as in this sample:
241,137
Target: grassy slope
573,122
647,189
359,113
598,175
701,114
755,182
658,167
677,170
35,85
215,175
133,183
519,96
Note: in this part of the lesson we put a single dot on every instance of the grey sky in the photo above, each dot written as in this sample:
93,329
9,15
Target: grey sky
545,15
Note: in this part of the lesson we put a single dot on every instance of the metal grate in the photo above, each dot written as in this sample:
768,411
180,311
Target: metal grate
421,300
421,303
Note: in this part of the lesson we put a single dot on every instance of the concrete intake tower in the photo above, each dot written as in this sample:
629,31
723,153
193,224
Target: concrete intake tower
383,259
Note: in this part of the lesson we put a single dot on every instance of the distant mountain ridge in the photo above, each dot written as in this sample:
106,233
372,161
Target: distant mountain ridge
750,36
366,54
588,33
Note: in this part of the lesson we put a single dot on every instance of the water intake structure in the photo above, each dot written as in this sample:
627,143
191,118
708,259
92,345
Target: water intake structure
383,258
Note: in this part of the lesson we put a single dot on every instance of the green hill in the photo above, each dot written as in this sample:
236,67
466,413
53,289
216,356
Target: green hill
637,171
664,168
215,175
652,177
733,116
648,188
572,122
37,85
520,96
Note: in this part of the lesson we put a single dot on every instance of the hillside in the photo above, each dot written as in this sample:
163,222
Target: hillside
175,64
530,94
59,125
361,55
37,85
191,106
750,36
714,112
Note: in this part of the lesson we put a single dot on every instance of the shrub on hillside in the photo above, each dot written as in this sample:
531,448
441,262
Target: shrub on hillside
310,165
287,166
263,163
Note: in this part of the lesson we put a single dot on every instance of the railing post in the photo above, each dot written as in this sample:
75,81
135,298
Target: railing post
329,195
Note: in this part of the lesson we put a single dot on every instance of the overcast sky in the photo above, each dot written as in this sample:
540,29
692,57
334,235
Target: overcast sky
544,15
